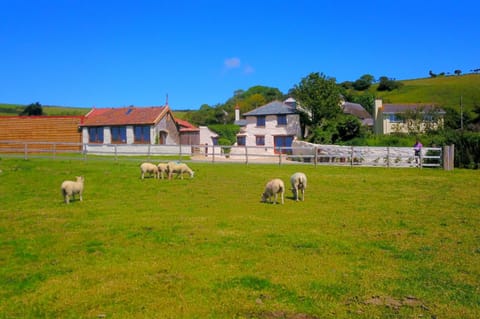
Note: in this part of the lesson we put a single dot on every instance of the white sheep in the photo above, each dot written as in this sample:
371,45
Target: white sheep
299,183
163,168
150,169
273,188
179,169
70,188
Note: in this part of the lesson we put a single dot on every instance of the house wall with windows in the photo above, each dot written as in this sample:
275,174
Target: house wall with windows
275,124
389,118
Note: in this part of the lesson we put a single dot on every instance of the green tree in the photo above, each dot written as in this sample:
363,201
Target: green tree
387,84
33,109
320,96
363,83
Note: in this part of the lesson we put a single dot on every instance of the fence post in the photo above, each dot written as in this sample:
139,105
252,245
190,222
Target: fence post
315,156
115,151
246,154
351,156
213,153
388,156
25,150
280,157
54,150
448,157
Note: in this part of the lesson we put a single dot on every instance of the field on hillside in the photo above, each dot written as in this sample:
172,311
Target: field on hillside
443,91
16,109
366,243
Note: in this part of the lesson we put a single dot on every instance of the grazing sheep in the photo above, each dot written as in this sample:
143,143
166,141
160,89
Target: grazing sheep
179,168
70,188
150,169
163,168
299,183
273,188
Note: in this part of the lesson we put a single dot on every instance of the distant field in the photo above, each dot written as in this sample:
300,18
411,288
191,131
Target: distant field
442,91
16,109
366,243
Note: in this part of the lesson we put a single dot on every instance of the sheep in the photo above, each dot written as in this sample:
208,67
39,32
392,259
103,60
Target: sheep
179,168
150,169
299,183
163,168
70,188
273,188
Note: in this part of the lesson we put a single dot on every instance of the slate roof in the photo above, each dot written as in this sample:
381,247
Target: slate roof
359,111
275,107
125,116
401,108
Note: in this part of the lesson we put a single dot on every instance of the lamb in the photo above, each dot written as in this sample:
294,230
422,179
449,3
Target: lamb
179,168
273,188
150,169
71,188
163,168
299,183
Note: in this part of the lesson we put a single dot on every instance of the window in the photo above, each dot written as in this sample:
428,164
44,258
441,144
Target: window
282,119
261,120
281,142
95,134
260,140
142,134
162,137
119,134
394,118
241,140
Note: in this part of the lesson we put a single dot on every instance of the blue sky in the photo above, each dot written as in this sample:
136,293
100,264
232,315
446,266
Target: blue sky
113,53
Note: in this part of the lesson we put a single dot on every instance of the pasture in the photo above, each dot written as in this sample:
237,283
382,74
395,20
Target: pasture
365,243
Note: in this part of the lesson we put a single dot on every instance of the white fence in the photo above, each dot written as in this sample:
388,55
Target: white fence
301,152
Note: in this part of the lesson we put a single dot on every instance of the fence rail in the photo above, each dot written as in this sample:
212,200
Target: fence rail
314,155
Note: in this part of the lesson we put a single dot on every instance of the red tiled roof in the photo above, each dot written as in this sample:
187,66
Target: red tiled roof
186,126
125,116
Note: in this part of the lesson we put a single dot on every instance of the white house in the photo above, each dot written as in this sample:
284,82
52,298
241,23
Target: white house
390,118
274,124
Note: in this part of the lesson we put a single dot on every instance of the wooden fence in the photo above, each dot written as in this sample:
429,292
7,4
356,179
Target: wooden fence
314,155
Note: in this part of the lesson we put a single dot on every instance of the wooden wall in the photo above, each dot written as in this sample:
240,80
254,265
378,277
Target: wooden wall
60,129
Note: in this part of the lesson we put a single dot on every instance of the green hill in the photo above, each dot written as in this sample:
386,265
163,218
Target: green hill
444,91
16,109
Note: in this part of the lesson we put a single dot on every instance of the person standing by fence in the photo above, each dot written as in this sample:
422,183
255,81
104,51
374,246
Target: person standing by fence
417,147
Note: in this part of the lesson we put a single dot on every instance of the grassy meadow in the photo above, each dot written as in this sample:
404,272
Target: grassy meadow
366,243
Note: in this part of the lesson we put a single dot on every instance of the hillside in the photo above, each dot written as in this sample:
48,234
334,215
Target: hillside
16,109
443,91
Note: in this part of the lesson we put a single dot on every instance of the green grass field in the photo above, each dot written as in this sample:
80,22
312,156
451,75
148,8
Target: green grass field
366,243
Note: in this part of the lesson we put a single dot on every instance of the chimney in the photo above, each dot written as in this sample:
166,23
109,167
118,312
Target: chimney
377,117
237,113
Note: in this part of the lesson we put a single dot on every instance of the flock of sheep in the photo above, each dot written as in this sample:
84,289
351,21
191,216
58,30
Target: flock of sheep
273,188
298,181
169,168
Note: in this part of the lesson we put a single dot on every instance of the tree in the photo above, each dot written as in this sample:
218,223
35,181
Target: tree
33,109
320,96
387,84
363,83
457,72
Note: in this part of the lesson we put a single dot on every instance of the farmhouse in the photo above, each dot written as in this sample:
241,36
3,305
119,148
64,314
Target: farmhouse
137,125
405,118
274,124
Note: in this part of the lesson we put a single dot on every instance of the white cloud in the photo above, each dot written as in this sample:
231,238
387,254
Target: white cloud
232,63
248,69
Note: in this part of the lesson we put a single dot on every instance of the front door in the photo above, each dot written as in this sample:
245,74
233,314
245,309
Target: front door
283,141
